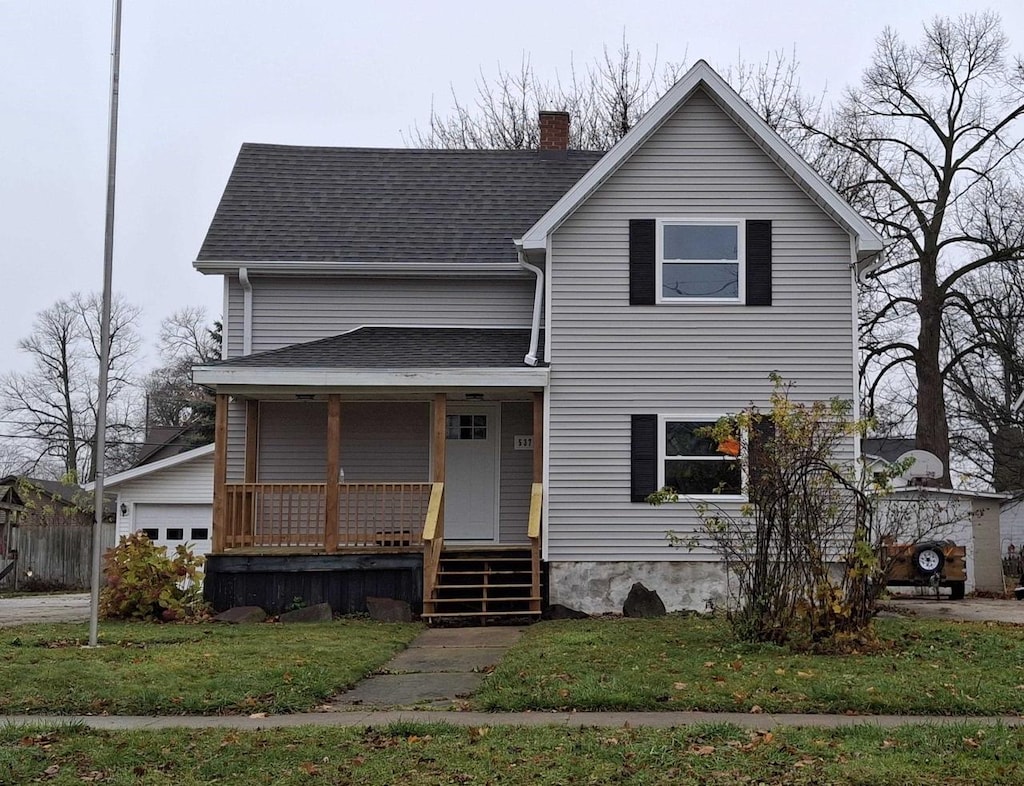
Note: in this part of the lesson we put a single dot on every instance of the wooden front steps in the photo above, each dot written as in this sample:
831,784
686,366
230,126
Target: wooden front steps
477,584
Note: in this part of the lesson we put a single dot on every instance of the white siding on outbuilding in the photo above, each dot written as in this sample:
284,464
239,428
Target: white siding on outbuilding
610,360
176,496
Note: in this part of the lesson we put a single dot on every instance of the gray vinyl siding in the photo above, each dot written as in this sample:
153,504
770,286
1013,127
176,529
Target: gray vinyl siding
516,472
190,483
236,441
292,442
385,442
610,360
300,308
233,319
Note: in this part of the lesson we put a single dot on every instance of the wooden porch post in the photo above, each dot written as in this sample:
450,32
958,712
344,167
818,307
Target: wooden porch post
220,473
252,430
538,437
333,467
439,446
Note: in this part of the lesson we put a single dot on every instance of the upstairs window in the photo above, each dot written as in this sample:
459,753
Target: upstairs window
700,260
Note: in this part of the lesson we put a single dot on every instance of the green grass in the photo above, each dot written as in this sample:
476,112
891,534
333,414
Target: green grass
188,669
678,663
441,754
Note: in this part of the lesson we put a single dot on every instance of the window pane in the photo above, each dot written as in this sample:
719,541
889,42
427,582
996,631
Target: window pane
681,439
176,533
700,279
200,533
688,241
703,477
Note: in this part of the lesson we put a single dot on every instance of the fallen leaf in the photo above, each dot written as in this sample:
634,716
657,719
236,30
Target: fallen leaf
702,750
780,672
756,709
309,768
805,674
258,715
970,742
736,665
709,664
680,685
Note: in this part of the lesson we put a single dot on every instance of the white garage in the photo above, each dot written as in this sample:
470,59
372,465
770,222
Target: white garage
171,500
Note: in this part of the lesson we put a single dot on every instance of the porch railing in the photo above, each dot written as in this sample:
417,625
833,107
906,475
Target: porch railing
294,515
433,541
533,532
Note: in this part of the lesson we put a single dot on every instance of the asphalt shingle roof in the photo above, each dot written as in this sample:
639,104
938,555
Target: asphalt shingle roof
400,347
285,203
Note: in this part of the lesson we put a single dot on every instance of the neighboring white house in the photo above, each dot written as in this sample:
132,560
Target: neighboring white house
171,500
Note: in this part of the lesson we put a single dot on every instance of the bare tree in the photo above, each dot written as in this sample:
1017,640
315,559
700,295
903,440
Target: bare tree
930,145
988,335
187,338
53,405
605,99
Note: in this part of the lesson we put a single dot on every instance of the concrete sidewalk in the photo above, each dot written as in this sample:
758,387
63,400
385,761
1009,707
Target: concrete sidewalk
571,720
440,668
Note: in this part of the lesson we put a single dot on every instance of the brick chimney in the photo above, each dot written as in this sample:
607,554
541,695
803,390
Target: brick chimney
554,132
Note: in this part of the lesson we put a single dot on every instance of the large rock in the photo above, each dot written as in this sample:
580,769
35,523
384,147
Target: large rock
240,615
388,610
320,612
556,611
642,602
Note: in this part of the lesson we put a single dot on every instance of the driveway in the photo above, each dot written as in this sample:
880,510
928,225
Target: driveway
968,609
44,608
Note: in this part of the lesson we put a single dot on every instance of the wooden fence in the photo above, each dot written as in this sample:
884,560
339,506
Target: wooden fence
56,555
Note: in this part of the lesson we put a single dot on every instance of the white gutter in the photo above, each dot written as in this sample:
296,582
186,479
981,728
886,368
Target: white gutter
403,269
243,278
538,300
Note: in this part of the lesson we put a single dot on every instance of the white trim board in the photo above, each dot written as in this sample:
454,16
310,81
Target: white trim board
370,377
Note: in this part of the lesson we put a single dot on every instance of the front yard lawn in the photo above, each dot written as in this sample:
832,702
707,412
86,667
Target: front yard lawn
679,663
440,754
150,669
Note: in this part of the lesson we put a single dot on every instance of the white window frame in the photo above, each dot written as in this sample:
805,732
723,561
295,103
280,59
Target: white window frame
663,420
741,252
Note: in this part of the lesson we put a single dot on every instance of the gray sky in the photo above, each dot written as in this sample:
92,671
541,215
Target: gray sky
199,77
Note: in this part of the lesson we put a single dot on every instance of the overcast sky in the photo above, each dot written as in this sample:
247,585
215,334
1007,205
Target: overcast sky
199,77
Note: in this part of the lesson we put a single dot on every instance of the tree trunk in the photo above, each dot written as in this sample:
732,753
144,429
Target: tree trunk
932,429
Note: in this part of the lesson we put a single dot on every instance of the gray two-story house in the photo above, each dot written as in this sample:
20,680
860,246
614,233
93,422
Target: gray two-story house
455,376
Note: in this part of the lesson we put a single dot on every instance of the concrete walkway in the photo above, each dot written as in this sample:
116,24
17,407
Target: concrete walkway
571,720
441,667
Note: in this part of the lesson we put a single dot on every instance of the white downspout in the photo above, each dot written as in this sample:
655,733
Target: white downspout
538,300
243,279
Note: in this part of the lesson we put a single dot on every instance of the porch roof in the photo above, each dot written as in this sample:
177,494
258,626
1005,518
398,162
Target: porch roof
406,356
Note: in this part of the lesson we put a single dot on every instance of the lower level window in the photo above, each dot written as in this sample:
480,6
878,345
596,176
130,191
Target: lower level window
693,463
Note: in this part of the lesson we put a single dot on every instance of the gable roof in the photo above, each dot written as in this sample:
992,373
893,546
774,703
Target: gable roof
869,242
156,466
399,356
360,207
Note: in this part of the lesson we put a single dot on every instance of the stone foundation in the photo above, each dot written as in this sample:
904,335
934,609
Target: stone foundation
602,587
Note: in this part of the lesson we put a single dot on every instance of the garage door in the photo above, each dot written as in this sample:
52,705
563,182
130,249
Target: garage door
172,525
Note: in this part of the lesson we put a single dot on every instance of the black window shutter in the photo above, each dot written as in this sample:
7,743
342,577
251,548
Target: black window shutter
759,263
643,457
761,448
641,261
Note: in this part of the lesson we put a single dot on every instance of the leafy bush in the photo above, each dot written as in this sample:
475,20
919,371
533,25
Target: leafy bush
144,582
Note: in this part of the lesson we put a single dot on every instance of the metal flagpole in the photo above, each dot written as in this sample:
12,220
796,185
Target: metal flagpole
108,268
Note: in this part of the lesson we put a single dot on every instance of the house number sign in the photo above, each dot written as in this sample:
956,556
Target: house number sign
523,442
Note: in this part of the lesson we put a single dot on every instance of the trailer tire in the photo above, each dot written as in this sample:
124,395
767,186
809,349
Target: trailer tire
929,559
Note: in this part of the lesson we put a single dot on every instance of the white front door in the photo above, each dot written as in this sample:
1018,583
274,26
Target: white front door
471,474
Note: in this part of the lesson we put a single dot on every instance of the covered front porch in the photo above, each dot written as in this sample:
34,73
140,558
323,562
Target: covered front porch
373,491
